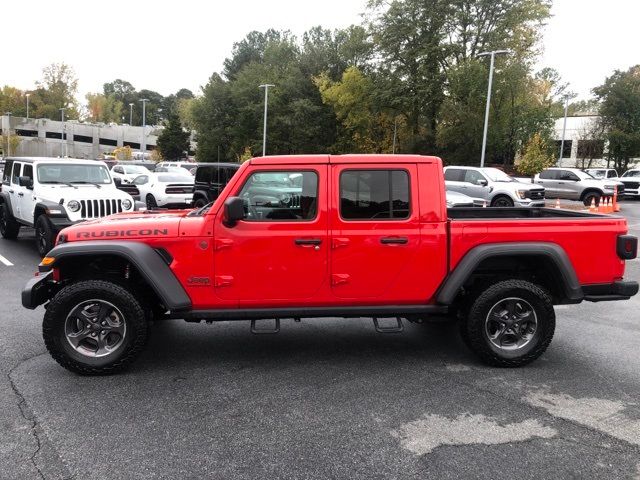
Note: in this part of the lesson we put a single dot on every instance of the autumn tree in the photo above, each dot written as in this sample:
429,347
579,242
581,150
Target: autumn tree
536,157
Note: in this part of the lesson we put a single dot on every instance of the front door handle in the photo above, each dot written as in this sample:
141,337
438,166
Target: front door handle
10,191
394,240
308,241
20,194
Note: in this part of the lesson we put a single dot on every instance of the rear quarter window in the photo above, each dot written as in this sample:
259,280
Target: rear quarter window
454,174
6,174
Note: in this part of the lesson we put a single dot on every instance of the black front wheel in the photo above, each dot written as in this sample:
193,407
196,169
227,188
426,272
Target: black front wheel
509,324
591,197
9,228
502,201
45,235
94,327
151,202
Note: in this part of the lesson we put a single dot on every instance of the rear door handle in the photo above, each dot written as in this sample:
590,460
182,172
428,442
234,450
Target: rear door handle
308,241
20,194
10,191
394,240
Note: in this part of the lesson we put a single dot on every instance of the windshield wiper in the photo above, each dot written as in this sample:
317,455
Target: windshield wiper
90,183
201,210
60,183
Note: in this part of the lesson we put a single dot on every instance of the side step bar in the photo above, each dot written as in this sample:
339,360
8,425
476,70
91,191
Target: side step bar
398,328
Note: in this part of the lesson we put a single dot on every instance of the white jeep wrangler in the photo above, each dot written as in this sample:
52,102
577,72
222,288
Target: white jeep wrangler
50,194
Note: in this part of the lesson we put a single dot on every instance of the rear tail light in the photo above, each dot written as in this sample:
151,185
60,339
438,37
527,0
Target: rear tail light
627,247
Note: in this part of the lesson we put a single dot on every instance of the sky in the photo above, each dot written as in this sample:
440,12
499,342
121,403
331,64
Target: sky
165,46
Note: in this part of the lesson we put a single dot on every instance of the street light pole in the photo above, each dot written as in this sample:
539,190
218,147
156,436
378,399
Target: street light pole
493,54
62,145
131,114
395,129
564,129
8,114
264,131
143,143
28,95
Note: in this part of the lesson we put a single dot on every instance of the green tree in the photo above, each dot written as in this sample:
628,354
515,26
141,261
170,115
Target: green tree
57,89
536,157
104,108
173,141
619,98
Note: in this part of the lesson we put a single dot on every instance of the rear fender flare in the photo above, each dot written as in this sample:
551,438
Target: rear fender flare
470,262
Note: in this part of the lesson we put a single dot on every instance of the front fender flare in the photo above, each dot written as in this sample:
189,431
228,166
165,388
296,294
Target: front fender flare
147,261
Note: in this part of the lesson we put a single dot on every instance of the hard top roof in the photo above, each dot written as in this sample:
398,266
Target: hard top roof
342,159
216,164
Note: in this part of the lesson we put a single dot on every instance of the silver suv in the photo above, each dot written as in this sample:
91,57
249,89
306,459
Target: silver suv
574,184
493,186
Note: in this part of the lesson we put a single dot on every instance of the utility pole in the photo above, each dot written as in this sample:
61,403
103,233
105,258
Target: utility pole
264,131
493,54
143,143
62,144
28,95
564,129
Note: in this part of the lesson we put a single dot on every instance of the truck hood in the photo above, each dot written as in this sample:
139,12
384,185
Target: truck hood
127,226
56,193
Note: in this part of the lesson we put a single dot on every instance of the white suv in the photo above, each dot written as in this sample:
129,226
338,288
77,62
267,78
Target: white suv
50,194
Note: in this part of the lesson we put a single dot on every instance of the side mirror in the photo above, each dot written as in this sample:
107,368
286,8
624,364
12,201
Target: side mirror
482,182
233,211
25,182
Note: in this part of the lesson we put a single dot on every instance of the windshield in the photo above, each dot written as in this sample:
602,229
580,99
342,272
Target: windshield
597,173
131,169
175,178
497,175
583,175
70,173
632,173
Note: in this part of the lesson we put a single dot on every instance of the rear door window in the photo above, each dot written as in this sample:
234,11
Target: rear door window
374,194
548,174
454,174
17,168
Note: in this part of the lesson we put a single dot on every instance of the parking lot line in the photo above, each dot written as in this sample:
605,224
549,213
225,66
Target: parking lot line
5,261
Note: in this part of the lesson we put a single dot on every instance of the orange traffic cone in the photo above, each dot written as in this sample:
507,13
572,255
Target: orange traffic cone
609,208
616,207
601,205
557,203
592,207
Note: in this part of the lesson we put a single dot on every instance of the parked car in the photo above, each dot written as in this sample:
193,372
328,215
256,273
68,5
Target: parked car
50,194
459,200
574,184
211,178
127,173
631,180
188,166
168,190
493,186
601,173
370,237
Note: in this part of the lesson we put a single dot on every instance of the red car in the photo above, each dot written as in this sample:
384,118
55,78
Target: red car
317,236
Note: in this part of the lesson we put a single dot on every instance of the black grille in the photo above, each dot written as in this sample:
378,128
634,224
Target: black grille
632,184
535,194
99,208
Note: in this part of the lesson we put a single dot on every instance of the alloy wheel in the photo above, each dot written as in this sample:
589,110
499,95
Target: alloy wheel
95,328
511,323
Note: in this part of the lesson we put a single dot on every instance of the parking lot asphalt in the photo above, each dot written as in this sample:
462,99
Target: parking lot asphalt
323,399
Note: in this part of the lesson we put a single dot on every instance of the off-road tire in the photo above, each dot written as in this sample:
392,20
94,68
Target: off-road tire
45,235
53,327
472,325
9,228
200,202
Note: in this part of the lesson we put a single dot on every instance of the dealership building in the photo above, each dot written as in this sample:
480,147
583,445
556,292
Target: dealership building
52,138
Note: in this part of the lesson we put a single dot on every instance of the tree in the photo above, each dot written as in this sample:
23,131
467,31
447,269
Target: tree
57,89
536,157
9,144
173,141
619,98
103,108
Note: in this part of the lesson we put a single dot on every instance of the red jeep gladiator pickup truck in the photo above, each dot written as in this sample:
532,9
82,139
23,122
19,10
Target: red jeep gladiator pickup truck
327,236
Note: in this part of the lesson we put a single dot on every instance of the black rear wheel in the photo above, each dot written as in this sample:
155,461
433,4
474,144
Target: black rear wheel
509,324
9,228
94,327
45,235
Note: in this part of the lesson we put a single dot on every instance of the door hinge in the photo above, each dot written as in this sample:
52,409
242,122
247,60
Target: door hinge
338,242
223,243
222,280
339,278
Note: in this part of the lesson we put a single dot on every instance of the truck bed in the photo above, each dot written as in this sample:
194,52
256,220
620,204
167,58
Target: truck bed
588,239
529,213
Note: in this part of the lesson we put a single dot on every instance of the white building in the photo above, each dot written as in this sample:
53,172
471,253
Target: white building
44,138
579,141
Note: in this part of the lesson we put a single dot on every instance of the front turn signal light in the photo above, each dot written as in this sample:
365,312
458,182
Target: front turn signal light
46,261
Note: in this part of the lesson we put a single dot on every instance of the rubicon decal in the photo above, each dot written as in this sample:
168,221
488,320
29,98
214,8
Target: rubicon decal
143,232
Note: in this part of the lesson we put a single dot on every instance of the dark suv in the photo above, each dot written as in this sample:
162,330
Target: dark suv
211,178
